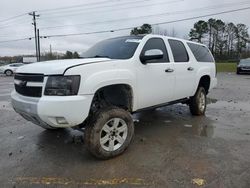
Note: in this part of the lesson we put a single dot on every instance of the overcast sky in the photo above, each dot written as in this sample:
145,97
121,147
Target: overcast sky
131,12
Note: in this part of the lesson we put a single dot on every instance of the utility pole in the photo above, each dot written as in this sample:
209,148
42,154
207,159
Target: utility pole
38,45
34,23
50,49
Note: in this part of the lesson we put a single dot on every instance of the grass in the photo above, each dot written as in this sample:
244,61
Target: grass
226,67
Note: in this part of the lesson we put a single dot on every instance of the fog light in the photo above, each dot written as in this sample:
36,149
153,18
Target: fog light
61,120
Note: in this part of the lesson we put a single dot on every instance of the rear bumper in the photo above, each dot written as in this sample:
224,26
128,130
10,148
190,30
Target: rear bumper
46,111
213,83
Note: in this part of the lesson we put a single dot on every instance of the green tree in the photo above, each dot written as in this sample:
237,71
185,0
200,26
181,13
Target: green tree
68,55
144,29
220,41
216,31
242,36
199,30
230,30
76,55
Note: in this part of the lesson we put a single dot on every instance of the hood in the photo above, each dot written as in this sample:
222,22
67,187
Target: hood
57,66
244,65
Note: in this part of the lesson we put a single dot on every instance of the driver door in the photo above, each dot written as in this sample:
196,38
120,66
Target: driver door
155,77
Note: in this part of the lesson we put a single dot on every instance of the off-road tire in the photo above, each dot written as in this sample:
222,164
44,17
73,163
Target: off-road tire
195,102
92,133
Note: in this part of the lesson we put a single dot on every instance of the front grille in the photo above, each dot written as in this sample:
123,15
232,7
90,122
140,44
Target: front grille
247,68
30,91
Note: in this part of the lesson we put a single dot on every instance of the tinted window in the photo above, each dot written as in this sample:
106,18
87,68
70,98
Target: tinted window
201,53
116,48
179,51
156,43
17,65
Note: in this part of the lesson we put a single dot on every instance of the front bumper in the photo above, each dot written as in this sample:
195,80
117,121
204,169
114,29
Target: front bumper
46,110
243,69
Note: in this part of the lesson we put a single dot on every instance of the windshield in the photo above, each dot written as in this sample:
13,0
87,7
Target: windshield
115,48
245,61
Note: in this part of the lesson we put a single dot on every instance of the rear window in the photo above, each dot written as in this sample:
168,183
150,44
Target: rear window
179,51
201,53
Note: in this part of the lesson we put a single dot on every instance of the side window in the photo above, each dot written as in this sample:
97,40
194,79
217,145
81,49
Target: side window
179,51
201,53
156,43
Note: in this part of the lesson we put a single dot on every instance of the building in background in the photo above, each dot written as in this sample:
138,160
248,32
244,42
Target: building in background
28,59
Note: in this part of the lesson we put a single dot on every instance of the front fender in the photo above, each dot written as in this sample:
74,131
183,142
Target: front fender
109,77
106,78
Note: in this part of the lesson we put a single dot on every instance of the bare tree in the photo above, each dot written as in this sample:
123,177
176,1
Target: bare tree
160,31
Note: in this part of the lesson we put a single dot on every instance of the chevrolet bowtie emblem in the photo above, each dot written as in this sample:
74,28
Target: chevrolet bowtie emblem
23,83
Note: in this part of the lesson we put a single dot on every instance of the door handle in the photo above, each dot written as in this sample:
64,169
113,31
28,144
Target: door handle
190,68
169,70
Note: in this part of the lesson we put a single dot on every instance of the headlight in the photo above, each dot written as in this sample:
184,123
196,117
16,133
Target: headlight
62,85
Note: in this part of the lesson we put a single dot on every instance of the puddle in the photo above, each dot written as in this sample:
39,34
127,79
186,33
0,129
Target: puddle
232,105
211,100
5,105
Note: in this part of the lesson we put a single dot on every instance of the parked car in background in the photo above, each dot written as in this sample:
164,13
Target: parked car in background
10,69
243,66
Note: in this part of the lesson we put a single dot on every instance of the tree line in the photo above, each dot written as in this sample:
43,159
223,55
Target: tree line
225,40
44,57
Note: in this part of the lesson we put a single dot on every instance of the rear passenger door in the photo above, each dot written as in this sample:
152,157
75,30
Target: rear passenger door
185,70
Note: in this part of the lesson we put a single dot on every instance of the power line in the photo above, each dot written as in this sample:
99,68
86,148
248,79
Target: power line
119,3
219,6
76,6
127,28
13,25
159,23
115,9
14,17
15,40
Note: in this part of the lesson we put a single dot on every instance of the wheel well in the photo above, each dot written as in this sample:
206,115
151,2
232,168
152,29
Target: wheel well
205,82
120,95
7,70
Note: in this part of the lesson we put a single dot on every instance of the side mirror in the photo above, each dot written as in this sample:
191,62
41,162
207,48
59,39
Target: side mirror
151,55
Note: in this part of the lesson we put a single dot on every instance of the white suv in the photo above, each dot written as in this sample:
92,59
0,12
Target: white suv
10,69
115,78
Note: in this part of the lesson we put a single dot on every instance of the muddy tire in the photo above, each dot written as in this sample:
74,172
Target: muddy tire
8,73
109,132
198,102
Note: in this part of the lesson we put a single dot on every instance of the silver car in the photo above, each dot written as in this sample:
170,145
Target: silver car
10,69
